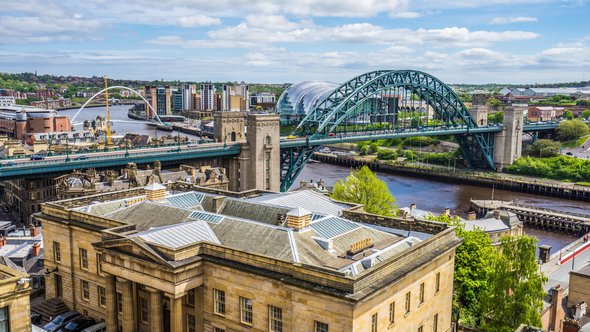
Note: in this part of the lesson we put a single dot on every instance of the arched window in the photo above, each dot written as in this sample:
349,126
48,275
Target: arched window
267,139
233,136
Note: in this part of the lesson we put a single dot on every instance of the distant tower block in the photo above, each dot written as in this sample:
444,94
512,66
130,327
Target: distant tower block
229,126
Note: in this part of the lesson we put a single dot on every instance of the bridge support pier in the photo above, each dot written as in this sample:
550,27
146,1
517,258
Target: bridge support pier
508,142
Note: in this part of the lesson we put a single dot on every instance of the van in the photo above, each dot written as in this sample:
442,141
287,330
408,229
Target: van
100,327
37,157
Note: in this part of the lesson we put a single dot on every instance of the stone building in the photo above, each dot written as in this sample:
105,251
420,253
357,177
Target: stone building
25,196
15,314
496,224
177,259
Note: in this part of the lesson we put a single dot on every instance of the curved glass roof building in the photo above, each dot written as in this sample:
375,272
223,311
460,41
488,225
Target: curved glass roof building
299,99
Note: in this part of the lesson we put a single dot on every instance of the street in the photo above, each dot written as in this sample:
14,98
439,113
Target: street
561,274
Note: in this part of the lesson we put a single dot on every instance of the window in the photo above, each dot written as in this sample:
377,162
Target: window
275,319
191,323
102,296
143,307
56,252
321,327
392,312
98,264
421,293
435,323
85,290
437,283
218,329
4,319
246,310
421,328
408,299
219,301
190,298
119,303
83,259
374,323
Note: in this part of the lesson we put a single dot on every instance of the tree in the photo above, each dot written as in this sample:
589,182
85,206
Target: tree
493,101
545,148
473,266
571,129
568,115
362,186
516,292
586,114
497,117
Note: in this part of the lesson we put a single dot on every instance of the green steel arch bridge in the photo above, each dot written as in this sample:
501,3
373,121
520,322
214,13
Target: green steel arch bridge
376,105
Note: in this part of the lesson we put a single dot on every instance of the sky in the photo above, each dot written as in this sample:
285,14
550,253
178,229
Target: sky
277,41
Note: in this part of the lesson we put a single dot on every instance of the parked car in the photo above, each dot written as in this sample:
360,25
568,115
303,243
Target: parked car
37,157
100,327
78,324
61,320
81,157
569,153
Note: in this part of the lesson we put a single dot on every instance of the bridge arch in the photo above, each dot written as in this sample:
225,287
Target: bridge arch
116,87
349,104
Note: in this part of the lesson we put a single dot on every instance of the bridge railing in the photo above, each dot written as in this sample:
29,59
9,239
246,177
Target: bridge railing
587,216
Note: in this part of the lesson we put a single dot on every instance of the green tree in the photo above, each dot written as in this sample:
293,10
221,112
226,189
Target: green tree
473,266
493,101
362,186
374,147
516,290
571,129
545,148
568,115
497,117
364,150
586,114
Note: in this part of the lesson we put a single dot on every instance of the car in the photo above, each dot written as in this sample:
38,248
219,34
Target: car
78,324
61,320
569,153
100,327
81,157
9,163
331,135
37,157
291,137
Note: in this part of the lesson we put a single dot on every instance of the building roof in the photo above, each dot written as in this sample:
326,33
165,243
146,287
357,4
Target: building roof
154,186
302,97
179,235
298,212
309,199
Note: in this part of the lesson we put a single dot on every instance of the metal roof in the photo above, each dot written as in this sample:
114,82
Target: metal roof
308,199
332,227
179,235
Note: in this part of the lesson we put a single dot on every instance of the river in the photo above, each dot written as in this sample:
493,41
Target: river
121,123
435,196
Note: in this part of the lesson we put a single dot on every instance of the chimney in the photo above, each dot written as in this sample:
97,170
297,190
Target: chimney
36,249
157,167
471,215
447,212
557,313
302,183
217,202
412,206
497,214
33,230
298,218
580,310
321,184
2,241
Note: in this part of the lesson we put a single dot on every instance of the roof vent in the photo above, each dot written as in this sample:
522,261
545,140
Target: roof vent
360,246
326,244
369,262
298,218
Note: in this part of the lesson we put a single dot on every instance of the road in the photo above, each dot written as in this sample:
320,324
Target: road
102,154
580,151
561,274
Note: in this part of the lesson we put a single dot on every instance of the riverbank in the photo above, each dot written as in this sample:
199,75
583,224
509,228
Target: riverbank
94,105
489,180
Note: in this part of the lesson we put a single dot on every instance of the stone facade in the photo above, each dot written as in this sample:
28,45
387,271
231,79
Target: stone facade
14,298
579,286
24,196
205,286
508,144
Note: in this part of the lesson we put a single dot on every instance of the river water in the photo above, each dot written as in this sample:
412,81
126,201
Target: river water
121,124
435,196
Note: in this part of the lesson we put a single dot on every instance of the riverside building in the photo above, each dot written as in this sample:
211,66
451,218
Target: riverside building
186,258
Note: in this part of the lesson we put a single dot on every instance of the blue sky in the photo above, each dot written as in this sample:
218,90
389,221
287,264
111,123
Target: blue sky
463,41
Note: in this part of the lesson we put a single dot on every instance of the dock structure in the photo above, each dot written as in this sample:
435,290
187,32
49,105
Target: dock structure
537,217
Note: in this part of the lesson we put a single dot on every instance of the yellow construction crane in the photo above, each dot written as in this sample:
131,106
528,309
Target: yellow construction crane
106,97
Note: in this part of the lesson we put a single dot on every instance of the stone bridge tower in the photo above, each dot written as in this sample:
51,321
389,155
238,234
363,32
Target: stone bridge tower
508,142
258,165
229,126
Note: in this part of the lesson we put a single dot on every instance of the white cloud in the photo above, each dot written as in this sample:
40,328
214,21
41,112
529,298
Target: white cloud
198,21
30,29
508,20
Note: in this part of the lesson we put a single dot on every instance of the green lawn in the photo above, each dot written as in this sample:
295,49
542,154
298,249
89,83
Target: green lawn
586,184
575,143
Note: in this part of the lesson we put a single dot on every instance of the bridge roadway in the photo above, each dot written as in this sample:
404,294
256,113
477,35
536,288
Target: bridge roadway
19,168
